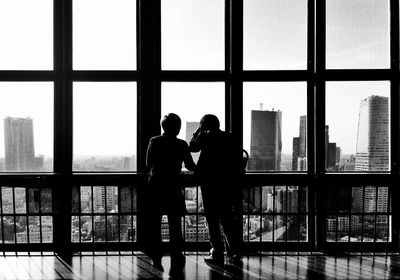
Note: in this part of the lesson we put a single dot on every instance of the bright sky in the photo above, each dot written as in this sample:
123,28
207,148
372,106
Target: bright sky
192,38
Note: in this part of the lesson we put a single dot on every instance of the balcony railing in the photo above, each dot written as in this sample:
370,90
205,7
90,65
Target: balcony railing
286,217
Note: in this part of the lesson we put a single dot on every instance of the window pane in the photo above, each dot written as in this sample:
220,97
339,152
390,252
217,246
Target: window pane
26,32
104,34
192,34
104,126
357,134
357,34
275,126
191,101
26,126
274,34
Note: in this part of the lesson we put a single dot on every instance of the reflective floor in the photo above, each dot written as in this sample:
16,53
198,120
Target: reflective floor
123,266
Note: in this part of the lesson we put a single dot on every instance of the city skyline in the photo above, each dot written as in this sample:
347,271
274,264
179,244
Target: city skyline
361,36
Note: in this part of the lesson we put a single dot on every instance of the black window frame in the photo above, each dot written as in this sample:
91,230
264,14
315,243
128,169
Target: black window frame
149,78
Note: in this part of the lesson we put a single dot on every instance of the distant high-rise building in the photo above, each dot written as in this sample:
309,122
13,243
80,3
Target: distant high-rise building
295,153
299,155
265,141
127,163
338,154
303,137
372,152
331,155
19,146
332,158
326,146
191,127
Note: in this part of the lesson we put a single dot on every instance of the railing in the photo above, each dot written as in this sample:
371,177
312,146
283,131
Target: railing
26,215
281,215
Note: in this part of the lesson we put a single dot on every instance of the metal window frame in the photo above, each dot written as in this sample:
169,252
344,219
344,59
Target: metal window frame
149,77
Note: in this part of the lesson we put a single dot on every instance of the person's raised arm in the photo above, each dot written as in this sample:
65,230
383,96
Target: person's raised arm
188,160
149,155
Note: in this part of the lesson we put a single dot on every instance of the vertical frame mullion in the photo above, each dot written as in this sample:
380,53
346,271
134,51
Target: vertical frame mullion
319,116
1,216
395,117
148,91
311,44
234,67
234,80
40,215
27,216
14,215
62,154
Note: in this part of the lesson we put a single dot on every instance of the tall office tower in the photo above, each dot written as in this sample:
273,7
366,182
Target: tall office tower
191,127
375,199
295,153
265,140
338,154
303,136
331,155
326,146
299,156
19,147
372,152
331,152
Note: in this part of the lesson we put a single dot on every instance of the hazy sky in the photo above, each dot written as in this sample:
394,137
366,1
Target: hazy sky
104,118
26,32
104,34
192,100
192,33
192,38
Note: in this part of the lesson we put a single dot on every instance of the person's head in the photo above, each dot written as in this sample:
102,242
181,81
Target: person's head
171,124
209,122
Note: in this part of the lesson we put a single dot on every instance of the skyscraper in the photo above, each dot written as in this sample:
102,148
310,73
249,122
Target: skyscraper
299,155
372,152
265,141
191,127
19,147
332,158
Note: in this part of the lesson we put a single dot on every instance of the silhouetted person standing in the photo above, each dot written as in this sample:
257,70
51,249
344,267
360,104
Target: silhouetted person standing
165,155
220,171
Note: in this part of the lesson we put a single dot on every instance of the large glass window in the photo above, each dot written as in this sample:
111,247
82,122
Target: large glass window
274,34
357,34
191,101
104,126
26,126
192,34
26,32
104,35
275,125
357,130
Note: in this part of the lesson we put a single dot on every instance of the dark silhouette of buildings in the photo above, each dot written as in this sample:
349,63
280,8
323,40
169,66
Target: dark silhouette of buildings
332,158
19,146
266,141
299,155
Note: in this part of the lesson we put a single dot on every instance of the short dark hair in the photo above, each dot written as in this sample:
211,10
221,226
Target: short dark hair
209,122
171,124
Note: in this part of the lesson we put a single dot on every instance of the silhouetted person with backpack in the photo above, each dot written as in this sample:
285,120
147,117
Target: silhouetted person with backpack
165,155
220,171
